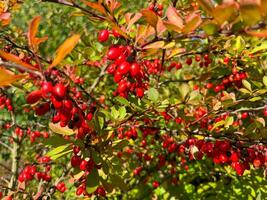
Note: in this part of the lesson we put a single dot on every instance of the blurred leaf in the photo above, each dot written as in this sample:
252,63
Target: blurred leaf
153,94
56,128
65,49
223,13
264,79
258,33
229,121
92,181
117,181
55,141
150,17
206,5
250,12
193,21
6,77
262,46
120,144
155,45
174,17
57,150
16,59
123,101
239,44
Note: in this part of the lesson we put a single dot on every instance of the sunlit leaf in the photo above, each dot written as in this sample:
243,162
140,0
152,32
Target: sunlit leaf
33,28
65,49
92,181
155,45
223,13
206,5
56,128
15,59
258,33
153,94
95,6
250,12
7,78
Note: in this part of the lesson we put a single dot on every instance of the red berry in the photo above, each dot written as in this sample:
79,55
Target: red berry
113,53
116,33
189,61
59,91
75,161
42,109
155,184
34,96
124,68
135,69
83,165
103,36
244,115
47,88
160,6
139,92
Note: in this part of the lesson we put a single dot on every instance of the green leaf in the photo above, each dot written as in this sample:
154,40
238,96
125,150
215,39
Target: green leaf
153,94
123,113
55,141
115,113
262,46
264,80
56,156
229,121
123,101
117,181
255,99
239,44
247,85
92,181
57,150
119,144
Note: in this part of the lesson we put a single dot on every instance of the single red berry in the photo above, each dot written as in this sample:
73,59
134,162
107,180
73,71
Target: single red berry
189,61
75,161
34,96
124,68
135,69
139,92
47,88
155,184
113,53
244,115
59,91
103,35
83,165
42,109
116,33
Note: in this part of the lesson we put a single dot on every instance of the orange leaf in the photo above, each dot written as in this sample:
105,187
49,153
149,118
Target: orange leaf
160,27
130,21
96,6
6,78
65,49
112,5
155,45
33,28
193,21
15,59
260,34
150,17
174,17
5,18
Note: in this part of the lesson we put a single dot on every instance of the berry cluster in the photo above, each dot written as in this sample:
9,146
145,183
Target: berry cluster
6,103
61,187
129,74
156,8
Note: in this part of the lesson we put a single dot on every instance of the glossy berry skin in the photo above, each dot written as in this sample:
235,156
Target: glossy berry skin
244,115
113,53
47,88
103,36
59,91
139,92
83,165
124,68
34,96
135,69
115,33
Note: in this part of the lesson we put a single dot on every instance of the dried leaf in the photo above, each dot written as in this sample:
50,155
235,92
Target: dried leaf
258,33
6,77
15,59
65,49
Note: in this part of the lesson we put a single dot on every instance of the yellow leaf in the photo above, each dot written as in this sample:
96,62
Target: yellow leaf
6,77
61,130
155,45
33,28
15,59
193,21
65,49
